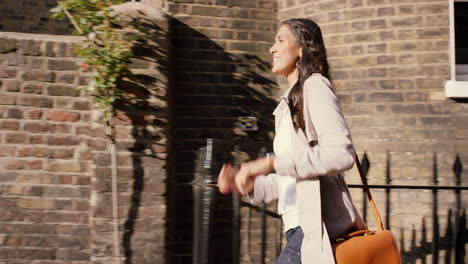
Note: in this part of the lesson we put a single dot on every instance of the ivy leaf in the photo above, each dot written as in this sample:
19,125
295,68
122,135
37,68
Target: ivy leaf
56,9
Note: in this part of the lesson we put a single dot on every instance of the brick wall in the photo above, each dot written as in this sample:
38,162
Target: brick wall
32,16
221,70
45,175
55,158
390,60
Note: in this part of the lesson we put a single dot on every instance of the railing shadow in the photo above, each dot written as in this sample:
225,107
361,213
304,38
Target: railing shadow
144,96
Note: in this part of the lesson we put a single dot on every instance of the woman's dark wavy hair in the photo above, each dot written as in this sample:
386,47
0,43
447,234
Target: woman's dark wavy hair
313,60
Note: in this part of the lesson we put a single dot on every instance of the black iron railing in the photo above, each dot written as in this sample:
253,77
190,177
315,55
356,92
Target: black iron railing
453,242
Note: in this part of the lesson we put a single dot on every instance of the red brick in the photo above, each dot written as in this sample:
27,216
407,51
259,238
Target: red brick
36,101
61,153
7,73
62,116
7,100
67,179
61,90
33,152
38,76
64,166
33,88
61,140
37,139
7,151
12,240
65,78
62,65
37,127
9,125
29,47
35,164
62,128
10,85
14,113
84,130
14,164
16,138
34,114
37,254
86,155
82,105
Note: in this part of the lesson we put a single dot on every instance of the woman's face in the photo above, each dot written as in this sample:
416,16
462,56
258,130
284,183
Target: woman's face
285,52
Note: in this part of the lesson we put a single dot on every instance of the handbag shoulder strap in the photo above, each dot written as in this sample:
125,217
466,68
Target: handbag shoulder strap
378,220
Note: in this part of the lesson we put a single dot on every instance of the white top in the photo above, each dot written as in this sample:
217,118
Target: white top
283,146
286,186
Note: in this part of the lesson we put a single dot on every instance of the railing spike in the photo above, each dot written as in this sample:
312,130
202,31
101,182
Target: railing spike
365,164
458,167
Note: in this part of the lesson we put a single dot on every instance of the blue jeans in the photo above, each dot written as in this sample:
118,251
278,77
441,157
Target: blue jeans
291,253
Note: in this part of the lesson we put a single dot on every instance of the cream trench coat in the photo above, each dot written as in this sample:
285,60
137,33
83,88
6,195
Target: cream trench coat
324,205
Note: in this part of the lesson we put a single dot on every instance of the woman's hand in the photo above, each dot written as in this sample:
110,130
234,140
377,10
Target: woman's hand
226,176
247,173
242,180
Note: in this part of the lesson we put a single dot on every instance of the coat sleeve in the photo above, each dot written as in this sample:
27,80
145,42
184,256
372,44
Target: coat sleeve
334,152
266,189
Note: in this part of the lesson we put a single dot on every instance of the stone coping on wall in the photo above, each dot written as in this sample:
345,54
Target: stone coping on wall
43,37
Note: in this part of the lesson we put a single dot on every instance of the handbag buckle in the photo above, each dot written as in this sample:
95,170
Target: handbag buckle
369,233
340,239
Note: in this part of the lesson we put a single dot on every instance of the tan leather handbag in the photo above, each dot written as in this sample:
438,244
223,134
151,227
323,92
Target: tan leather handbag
365,246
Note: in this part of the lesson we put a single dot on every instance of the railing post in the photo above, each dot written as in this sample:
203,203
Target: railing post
387,191
365,169
458,244
435,220
202,203
236,215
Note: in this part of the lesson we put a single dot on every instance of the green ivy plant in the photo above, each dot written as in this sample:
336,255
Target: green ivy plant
107,48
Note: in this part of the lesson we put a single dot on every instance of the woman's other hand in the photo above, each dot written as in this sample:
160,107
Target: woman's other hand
226,176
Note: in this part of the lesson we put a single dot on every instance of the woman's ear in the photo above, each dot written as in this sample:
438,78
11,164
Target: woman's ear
300,52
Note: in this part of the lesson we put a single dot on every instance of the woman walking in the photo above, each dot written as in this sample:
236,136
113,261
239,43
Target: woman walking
312,147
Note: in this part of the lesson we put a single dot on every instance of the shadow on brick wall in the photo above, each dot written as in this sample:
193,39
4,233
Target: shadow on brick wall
145,108
211,88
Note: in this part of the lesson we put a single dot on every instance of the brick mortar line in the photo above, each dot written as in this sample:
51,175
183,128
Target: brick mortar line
54,173
218,62
49,198
41,37
230,40
365,6
226,18
71,185
240,52
337,34
341,80
386,18
400,65
47,95
377,65
410,52
57,235
395,29
384,78
228,28
237,8
40,145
